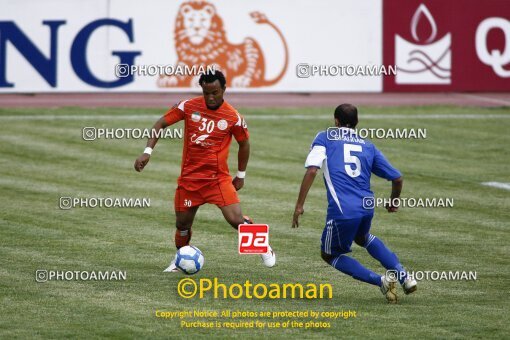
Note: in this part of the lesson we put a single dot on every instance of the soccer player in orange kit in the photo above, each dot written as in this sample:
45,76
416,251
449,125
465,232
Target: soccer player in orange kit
210,122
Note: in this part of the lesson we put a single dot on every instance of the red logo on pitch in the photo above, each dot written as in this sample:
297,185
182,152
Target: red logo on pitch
253,238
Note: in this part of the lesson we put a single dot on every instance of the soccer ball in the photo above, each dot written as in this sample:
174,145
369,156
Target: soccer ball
189,260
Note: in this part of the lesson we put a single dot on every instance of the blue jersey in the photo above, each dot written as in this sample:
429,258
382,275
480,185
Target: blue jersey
348,162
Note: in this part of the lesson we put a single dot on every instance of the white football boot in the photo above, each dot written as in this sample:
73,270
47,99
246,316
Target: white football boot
409,285
172,268
389,289
269,258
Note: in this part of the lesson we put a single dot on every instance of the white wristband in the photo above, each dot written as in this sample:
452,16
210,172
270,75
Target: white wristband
147,150
241,174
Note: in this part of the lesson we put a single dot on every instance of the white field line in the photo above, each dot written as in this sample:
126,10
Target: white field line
258,117
498,185
486,99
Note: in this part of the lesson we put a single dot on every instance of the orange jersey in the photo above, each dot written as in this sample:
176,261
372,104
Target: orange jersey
207,137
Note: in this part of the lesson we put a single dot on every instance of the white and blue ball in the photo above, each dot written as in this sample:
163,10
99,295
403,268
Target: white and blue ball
189,259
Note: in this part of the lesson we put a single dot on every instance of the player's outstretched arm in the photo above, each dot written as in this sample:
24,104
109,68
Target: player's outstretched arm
242,163
308,179
142,161
396,189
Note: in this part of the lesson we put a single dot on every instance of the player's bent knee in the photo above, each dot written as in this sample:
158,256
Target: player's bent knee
361,240
184,220
183,226
326,257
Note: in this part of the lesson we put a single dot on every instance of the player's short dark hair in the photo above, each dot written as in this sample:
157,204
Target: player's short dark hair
347,115
211,76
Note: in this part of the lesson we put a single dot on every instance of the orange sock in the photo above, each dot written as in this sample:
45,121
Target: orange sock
182,238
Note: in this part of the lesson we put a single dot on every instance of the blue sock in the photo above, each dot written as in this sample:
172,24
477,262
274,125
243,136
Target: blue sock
351,267
388,259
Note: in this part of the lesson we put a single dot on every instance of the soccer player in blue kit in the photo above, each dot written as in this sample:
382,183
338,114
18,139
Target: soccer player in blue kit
347,162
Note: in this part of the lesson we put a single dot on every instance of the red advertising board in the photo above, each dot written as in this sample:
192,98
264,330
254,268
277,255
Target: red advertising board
441,45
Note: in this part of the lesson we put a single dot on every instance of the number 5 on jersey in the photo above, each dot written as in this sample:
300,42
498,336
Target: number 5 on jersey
351,160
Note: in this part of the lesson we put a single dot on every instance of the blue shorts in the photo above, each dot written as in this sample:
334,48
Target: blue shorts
338,235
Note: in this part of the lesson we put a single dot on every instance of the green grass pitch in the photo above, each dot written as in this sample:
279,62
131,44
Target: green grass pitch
44,158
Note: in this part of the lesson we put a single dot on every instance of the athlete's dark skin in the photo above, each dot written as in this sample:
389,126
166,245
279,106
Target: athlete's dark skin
213,95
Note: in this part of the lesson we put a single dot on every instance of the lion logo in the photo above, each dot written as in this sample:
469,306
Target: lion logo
200,40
